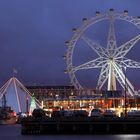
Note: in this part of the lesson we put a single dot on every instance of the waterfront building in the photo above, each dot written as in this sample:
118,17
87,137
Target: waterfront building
68,98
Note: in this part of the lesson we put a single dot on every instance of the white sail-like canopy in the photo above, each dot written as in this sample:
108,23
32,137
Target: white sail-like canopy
17,95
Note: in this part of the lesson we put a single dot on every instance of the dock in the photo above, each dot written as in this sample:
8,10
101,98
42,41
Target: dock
80,125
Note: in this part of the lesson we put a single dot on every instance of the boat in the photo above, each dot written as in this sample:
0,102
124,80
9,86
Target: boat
7,115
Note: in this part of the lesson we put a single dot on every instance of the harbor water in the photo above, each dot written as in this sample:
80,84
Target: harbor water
8,132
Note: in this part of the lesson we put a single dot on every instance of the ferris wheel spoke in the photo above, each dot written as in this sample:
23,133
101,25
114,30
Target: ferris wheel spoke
95,46
122,79
125,62
119,79
96,63
111,41
125,48
103,76
130,91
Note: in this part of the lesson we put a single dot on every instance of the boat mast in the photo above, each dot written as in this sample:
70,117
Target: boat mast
4,101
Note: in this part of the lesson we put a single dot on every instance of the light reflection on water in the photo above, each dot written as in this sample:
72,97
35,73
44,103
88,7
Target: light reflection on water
84,137
128,137
13,132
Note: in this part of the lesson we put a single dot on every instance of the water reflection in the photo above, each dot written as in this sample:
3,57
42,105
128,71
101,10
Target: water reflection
127,137
95,137
88,137
13,132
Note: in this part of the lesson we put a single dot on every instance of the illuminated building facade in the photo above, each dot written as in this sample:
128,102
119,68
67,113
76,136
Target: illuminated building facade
66,97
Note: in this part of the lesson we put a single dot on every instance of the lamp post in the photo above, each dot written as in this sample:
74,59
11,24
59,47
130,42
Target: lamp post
125,96
27,104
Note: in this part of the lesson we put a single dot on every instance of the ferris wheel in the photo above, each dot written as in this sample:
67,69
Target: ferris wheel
111,58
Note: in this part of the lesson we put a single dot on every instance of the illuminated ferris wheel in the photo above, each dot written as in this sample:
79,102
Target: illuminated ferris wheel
111,57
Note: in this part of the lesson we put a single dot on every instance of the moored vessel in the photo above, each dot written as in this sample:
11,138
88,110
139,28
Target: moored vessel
7,115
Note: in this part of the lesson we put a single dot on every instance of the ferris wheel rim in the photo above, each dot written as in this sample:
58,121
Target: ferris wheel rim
79,32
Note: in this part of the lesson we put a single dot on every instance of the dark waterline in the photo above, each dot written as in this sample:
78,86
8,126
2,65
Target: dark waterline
13,132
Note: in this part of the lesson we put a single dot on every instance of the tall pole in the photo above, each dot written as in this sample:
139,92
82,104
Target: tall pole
27,104
125,96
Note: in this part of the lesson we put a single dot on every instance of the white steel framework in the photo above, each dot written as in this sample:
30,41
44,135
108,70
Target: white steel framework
20,93
111,60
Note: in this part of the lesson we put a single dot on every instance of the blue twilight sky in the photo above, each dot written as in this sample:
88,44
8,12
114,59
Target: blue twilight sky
33,35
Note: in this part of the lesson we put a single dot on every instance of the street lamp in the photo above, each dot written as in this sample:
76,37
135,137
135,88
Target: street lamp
27,104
